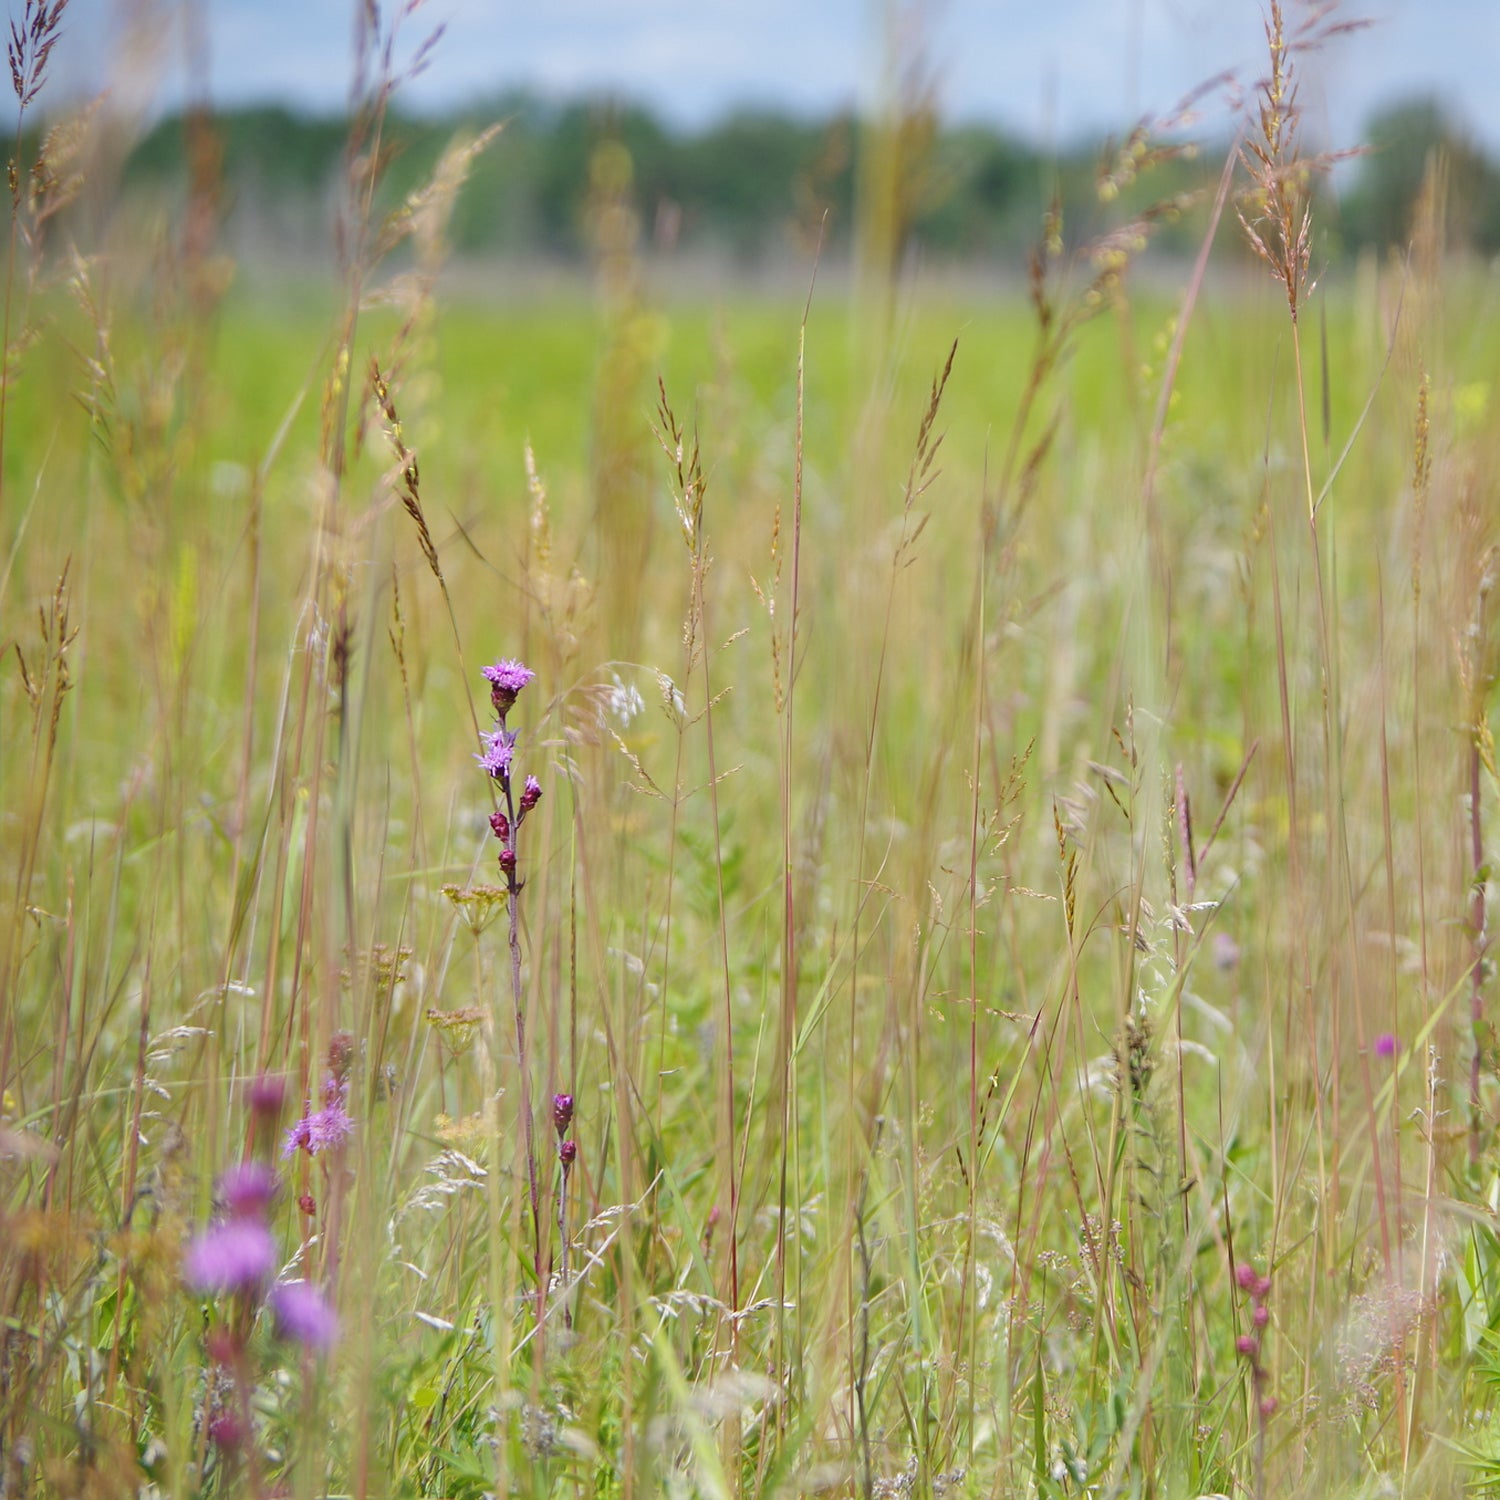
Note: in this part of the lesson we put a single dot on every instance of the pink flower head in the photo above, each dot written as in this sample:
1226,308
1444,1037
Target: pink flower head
236,1256
320,1130
562,1113
302,1314
1248,1345
506,678
495,758
1385,1044
530,795
246,1190
1244,1273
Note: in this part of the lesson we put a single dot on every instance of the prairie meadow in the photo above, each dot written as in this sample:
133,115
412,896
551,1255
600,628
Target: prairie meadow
868,888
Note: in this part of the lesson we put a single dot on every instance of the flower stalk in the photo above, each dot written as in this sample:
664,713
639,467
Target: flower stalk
506,679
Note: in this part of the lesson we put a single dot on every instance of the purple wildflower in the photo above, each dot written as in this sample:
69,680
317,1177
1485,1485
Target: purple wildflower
530,796
238,1255
506,678
1385,1044
320,1130
568,1153
246,1190
302,1314
498,748
562,1113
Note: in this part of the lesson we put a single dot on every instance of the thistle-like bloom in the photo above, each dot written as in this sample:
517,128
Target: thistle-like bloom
498,749
530,795
320,1130
246,1190
506,678
302,1314
236,1256
562,1113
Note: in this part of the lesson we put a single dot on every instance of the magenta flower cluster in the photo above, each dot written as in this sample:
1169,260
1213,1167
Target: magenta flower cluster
237,1257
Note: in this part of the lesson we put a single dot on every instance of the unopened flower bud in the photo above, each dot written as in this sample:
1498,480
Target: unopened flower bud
501,825
562,1113
508,860
266,1094
340,1054
1248,1345
530,795
226,1432
568,1153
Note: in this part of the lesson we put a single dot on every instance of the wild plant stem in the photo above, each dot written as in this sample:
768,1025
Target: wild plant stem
1478,938
523,1059
10,278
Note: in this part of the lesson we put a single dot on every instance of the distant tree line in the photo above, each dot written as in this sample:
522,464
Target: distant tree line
757,182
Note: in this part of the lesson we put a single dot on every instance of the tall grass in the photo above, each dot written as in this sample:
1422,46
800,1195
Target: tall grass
992,991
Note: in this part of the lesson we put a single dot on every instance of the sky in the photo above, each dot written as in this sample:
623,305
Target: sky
1055,71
